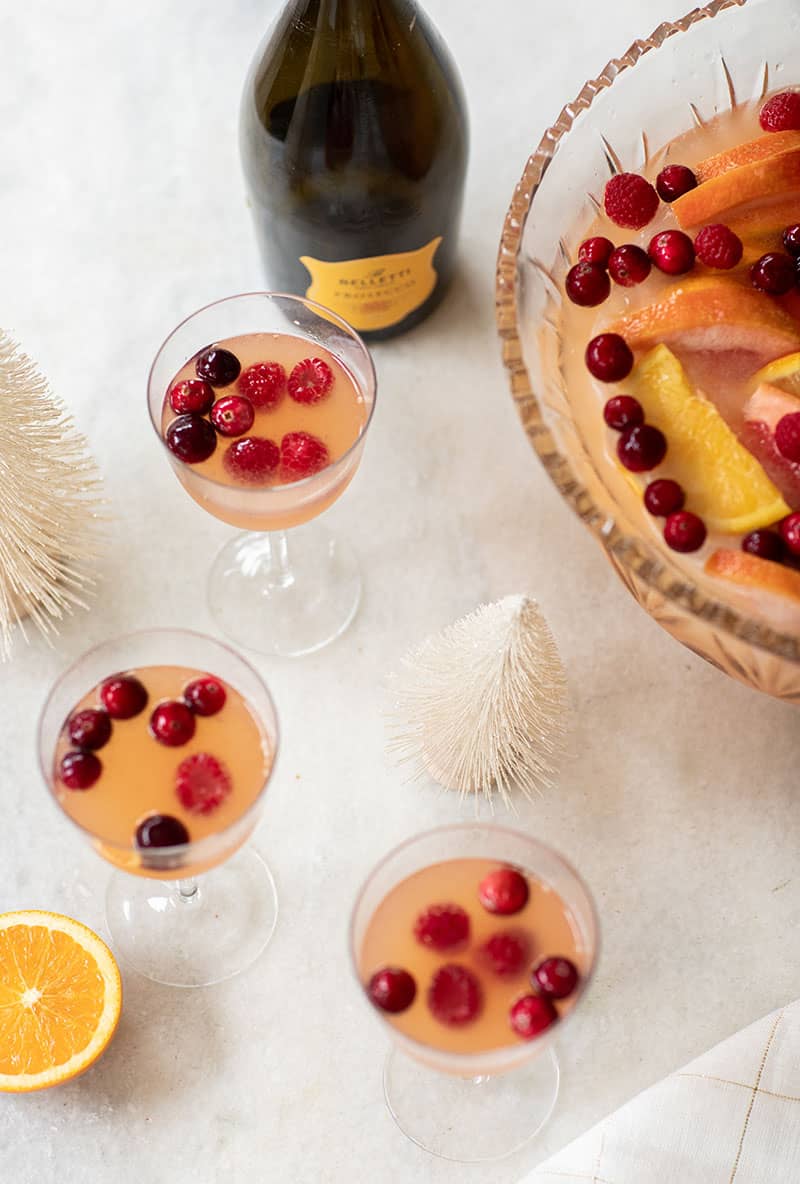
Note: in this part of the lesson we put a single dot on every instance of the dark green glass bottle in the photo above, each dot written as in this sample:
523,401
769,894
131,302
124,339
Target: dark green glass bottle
354,143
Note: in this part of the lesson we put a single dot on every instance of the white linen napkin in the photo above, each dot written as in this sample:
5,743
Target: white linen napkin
730,1117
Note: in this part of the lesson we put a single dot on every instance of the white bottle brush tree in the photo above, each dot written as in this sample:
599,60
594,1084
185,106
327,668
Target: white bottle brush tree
481,707
49,494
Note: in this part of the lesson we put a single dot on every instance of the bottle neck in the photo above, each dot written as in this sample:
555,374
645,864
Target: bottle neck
347,16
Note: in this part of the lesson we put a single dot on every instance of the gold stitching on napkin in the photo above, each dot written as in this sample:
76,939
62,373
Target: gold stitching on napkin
755,1090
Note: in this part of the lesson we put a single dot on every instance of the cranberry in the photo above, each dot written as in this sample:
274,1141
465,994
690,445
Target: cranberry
302,455
202,783
192,397
392,989
161,830
608,357
791,239
253,459
172,723
123,696
442,927
629,265
672,251
80,770
766,544
191,438
310,381
630,201
89,728
773,273
531,1015
674,180
263,384
232,415
503,891
641,448
781,113
205,696
587,284
455,995
218,366
623,411
790,532
684,531
555,977
717,246
787,436
595,250
663,497
504,954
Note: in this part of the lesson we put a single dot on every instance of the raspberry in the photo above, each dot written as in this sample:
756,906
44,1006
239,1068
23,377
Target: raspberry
302,455
205,696
504,891
310,381
587,284
531,1015
253,459
263,384
623,411
717,246
675,180
555,977
595,250
781,113
123,696
192,396
628,265
787,436
89,728
80,770
232,415
504,954
202,783
454,995
672,252
172,723
684,531
630,201
609,358
392,989
442,927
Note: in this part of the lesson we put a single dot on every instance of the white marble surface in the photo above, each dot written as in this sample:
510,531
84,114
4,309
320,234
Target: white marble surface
120,210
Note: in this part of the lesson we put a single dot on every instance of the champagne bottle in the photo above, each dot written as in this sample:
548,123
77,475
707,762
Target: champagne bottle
354,144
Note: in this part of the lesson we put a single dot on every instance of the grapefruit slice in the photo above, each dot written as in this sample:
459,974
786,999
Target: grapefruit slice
774,177
762,148
749,571
761,414
60,999
713,314
724,483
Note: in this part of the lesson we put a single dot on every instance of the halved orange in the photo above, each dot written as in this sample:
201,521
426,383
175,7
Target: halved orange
750,571
773,177
762,148
60,999
713,314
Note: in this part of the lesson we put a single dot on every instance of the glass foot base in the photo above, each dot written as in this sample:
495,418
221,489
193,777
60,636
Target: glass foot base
470,1119
285,595
194,940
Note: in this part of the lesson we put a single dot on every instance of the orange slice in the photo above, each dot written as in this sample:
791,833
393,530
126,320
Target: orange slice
60,999
766,222
752,572
762,148
713,314
774,177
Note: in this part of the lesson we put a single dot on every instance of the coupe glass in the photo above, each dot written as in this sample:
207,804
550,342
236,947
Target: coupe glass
269,591
477,1106
204,911
729,52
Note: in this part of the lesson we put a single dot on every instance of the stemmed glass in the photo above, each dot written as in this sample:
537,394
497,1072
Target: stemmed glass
472,1107
197,913
278,593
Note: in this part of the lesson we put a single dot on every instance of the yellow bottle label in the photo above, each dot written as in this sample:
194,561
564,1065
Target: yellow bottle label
377,292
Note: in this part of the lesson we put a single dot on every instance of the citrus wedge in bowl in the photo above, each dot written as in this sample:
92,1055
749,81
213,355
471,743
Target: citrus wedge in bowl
60,999
724,483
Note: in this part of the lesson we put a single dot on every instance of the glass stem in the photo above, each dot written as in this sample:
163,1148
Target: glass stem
281,565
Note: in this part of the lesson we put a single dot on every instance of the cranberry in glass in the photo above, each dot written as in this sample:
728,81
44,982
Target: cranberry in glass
609,358
766,544
89,728
623,411
684,531
587,284
641,448
663,497
392,989
774,273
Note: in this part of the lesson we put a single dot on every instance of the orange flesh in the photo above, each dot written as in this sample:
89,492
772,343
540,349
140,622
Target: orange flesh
752,572
751,151
759,181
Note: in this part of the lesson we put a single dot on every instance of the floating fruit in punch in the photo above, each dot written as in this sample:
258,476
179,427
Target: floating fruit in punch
161,830
641,448
60,999
750,152
663,497
587,284
774,273
766,544
717,246
205,696
218,366
89,728
455,995
790,532
623,411
392,989
191,438
253,459
672,251
724,484
762,412
191,397
629,265
531,1015
232,415
596,250
302,455
80,770
674,180
504,891
172,723
556,978
774,176
684,531
443,927
630,201
202,783
609,358
505,954
263,384
781,112
310,381
123,696
751,572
